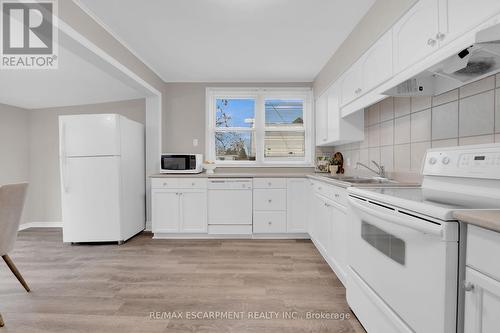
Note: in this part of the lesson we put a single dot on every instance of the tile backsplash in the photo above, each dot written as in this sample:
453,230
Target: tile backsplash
398,130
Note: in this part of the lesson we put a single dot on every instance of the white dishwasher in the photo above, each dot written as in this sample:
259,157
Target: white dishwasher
230,206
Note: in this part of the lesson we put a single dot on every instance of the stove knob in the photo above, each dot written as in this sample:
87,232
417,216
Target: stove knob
432,160
446,160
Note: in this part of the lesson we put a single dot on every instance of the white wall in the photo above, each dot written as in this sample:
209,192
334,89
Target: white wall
44,199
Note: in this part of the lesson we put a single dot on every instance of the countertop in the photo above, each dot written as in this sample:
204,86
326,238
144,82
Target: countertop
222,174
488,219
337,180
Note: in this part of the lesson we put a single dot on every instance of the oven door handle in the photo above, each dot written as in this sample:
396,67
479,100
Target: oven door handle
422,226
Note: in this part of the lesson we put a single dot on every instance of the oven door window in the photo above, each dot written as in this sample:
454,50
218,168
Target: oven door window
390,245
175,163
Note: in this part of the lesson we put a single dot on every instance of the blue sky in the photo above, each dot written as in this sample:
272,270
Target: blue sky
241,109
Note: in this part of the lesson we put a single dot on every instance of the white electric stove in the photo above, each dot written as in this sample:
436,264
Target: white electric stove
406,246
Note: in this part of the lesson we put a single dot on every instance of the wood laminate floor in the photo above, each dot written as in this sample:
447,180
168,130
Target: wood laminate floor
110,288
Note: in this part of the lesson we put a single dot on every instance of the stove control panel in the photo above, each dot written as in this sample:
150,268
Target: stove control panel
480,161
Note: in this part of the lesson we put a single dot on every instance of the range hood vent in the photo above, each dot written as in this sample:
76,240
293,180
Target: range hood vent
470,64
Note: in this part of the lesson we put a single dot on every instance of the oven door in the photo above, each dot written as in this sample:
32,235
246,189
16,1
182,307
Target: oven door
409,263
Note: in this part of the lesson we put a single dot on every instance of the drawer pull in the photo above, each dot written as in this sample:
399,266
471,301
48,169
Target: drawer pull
337,195
192,184
269,222
164,184
270,200
270,184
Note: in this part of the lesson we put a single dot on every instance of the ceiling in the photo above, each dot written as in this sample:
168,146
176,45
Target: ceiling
231,40
82,78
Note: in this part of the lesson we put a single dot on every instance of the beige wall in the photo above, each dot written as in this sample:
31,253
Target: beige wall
184,113
14,142
381,16
44,199
399,130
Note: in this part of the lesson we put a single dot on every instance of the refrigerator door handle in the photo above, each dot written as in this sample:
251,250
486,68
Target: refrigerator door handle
64,158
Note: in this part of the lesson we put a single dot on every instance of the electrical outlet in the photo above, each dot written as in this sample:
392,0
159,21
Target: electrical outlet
195,142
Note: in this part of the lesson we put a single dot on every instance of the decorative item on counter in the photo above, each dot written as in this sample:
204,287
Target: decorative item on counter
209,167
322,163
337,163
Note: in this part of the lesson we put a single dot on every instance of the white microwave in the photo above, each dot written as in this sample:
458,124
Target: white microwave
181,163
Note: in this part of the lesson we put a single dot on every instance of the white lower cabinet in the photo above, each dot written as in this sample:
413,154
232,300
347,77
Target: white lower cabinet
337,246
274,206
166,211
482,281
329,225
297,195
193,211
179,210
482,303
269,206
269,222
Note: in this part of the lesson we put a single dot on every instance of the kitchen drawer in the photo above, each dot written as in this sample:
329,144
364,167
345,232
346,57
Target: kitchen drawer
269,183
274,199
178,183
164,182
192,183
334,193
482,247
269,222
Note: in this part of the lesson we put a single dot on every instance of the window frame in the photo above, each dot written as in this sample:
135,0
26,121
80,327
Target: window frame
260,95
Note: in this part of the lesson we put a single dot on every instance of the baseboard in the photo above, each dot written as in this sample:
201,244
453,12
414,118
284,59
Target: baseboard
28,225
148,226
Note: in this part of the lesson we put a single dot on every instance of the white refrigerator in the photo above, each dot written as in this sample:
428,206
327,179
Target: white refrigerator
102,177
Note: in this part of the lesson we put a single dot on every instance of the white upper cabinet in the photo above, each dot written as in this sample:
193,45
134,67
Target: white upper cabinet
322,119
373,68
351,85
339,130
415,34
376,64
459,16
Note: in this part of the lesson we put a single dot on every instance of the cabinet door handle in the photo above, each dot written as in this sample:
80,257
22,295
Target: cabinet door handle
337,195
269,222
359,90
440,36
269,184
468,286
431,42
164,184
270,200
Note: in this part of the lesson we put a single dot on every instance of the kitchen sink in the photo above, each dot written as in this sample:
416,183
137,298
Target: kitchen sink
364,180
359,180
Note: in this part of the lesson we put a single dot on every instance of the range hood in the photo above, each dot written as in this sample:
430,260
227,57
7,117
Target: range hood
473,62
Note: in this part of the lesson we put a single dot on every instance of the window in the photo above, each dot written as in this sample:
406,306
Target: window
259,127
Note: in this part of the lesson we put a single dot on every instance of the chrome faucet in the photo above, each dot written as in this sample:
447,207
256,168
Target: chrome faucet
380,172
